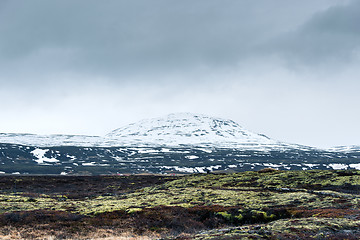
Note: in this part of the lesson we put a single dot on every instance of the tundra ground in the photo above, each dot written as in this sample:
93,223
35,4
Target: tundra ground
266,204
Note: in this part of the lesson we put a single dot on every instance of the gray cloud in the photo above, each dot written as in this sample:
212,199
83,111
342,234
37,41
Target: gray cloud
330,37
121,38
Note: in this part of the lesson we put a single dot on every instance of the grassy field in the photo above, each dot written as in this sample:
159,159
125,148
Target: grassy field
266,204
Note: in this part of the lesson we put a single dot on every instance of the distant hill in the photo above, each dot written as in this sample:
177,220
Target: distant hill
176,143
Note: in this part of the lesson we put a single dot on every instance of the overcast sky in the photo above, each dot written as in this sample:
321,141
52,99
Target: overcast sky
286,68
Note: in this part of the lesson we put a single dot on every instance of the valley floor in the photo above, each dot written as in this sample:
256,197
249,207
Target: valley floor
265,204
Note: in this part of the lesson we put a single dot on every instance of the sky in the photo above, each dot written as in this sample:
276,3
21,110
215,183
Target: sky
284,68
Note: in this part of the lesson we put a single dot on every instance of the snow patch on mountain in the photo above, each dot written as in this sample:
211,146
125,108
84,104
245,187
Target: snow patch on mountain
40,155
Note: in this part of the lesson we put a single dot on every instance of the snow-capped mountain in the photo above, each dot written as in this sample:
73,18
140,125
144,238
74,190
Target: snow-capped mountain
50,140
351,148
184,142
173,130
188,129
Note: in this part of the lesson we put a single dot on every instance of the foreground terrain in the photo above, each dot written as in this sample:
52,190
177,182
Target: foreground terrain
265,204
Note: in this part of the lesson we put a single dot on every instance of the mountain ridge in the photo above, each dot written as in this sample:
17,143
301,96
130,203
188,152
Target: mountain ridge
172,130
175,129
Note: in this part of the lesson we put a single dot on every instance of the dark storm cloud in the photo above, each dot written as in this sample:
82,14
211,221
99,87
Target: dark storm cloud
329,37
121,38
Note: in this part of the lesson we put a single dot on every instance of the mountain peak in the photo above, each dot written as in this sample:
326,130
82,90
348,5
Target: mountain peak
187,129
